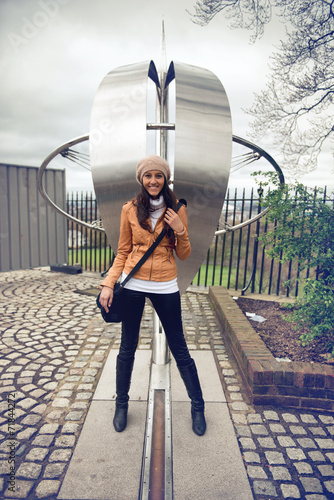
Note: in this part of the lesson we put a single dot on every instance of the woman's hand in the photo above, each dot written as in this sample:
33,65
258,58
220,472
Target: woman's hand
174,221
106,297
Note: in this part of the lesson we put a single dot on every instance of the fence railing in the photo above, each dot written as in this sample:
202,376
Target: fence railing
235,259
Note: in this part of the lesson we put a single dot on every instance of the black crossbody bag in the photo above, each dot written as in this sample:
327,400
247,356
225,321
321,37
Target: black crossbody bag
117,310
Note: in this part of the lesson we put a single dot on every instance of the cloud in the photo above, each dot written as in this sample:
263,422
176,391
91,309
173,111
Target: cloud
55,53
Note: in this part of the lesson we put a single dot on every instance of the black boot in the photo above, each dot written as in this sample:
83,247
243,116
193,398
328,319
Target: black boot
190,378
123,380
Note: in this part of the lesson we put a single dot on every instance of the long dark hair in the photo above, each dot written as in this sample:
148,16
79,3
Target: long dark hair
142,202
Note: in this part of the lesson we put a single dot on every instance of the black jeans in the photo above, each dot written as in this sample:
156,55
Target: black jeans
168,308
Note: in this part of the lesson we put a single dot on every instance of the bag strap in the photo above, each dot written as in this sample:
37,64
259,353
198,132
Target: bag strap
151,249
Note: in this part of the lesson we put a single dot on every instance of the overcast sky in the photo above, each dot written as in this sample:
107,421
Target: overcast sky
55,53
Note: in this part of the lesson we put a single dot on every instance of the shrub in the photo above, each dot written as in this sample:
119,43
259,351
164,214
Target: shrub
302,230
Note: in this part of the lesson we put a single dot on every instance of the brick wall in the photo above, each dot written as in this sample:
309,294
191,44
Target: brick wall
267,381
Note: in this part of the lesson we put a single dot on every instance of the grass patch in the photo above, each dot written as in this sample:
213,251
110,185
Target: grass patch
91,259
206,276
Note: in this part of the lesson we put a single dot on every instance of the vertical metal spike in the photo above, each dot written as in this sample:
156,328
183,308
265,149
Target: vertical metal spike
163,55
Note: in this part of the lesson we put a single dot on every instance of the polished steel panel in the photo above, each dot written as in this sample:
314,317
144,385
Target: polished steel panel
203,148
118,140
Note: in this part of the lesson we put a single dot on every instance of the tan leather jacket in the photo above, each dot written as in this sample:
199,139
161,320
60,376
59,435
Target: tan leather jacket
134,241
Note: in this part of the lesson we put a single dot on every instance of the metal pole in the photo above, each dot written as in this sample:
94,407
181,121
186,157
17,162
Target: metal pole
160,347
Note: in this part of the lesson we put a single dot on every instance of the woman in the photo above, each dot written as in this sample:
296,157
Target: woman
142,220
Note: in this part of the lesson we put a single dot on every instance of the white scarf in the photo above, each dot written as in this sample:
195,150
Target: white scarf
156,210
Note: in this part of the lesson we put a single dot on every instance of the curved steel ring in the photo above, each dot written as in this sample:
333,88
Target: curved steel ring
271,160
41,188
85,137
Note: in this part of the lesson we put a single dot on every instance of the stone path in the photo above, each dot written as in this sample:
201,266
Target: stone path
52,350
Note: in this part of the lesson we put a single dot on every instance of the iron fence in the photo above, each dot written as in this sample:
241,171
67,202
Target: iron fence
235,259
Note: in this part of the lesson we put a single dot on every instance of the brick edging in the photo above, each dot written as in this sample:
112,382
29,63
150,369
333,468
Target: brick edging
267,381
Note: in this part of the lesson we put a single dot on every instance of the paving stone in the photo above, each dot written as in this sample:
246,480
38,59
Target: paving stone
65,394
308,419
280,474
235,396
289,417
54,471
70,428
29,470
290,491
297,429
316,496
266,442
317,431
243,430
274,457
277,428
303,468
26,433
239,418
27,403
325,443
256,472
306,443
39,409
326,419
237,406
329,486
84,395
44,440
326,470
286,441
247,443
56,414
65,441
31,420
49,429
254,418
264,488
251,457
230,380
60,402
47,488
80,405
61,455
270,415
316,456
311,485
37,454
259,430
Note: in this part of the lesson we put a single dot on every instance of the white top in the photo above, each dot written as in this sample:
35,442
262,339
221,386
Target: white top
157,208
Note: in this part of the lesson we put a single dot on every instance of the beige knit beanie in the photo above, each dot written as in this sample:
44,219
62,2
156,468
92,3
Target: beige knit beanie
152,162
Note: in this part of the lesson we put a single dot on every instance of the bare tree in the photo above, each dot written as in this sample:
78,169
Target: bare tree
296,106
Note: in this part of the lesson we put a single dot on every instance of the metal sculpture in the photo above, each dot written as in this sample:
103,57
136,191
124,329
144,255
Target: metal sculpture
202,151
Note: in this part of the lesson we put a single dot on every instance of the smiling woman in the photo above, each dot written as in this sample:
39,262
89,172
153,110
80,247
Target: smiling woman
153,182
151,217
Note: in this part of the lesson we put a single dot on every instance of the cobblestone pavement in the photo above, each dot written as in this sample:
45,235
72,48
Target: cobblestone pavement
52,350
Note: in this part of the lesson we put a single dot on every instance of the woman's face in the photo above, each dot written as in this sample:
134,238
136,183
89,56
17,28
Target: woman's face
153,182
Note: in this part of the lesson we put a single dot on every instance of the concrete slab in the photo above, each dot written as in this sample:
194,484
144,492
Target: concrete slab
209,466
106,388
208,376
106,464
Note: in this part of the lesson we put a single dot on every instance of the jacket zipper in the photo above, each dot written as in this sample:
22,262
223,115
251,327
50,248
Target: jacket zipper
151,265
